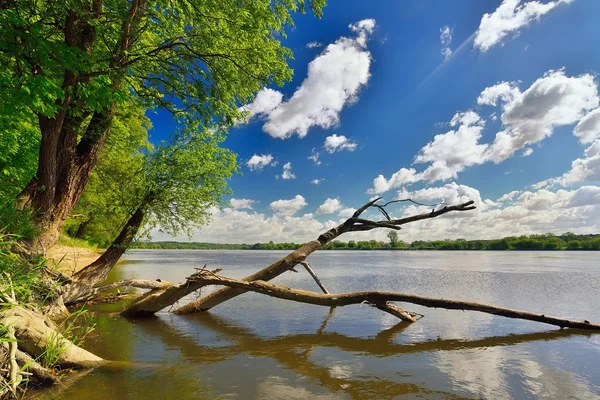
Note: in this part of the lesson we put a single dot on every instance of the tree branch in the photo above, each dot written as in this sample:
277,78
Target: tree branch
378,297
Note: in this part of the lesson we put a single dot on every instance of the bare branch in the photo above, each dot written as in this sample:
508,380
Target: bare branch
379,297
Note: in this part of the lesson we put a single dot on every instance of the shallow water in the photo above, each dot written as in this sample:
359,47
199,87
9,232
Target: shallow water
259,347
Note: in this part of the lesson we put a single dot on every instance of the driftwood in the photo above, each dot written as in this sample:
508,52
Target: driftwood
353,224
377,297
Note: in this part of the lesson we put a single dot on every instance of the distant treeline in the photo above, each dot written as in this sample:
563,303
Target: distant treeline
566,241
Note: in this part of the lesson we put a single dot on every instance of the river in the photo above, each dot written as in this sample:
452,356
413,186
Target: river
264,348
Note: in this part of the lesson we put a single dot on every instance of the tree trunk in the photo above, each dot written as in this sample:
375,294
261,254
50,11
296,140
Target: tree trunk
64,168
97,271
81,228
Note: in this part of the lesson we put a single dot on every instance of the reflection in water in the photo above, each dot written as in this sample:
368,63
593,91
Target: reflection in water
293,353
257,347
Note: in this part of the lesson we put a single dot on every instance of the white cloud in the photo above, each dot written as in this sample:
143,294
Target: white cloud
527,152
287,171
528,117
257,162
588,128
506,91
264,102
334,80
522,213
317,181
240,204
446,41
583,170
509,196
329,206
551,101
402,177
313,45
335,143
288,207
508,19
314,157
347,212
453,151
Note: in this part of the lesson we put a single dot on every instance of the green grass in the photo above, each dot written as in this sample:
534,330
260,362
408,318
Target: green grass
66,240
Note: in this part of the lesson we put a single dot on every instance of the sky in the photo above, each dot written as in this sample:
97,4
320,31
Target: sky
437,101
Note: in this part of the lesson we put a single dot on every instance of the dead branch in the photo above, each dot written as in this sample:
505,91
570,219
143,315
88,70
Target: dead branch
136,283
314,276
379,297
353,224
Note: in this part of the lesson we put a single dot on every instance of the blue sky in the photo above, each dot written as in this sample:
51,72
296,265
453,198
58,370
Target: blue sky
510,88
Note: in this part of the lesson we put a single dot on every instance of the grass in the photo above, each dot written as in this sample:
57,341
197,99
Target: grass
66,240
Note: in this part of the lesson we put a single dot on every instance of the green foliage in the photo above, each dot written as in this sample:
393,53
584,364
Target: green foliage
202,57
15,222
115,185
185,179
19,146
393,236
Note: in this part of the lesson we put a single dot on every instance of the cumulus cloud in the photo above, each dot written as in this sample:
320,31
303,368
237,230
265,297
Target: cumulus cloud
240,204
528,212
453,151
583,170
551,101
446,41
330,206
334,80
402,177
335,143
314,157
313,45
257,162
506,91
347,212
509,196
317,181
287,171
509,18
288,207
265,101
527,117
588,128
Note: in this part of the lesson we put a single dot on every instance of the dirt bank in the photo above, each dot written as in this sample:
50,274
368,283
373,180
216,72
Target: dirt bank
71,259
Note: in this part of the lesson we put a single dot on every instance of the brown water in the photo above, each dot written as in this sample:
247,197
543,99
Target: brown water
264,348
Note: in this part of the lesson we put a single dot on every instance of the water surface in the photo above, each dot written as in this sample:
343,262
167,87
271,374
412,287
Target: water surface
260,347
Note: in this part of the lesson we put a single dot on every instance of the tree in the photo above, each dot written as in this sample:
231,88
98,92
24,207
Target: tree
70,64
114,184
179,186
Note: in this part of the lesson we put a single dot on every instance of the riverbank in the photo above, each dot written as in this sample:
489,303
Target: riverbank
71,259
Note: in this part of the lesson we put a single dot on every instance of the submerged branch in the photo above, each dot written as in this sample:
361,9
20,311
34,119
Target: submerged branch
379,297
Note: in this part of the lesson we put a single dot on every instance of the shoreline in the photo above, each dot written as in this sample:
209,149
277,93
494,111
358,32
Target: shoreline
70,260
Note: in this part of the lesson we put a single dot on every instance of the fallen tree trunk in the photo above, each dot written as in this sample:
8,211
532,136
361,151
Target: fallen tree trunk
377,297
35,333
353,224
29,365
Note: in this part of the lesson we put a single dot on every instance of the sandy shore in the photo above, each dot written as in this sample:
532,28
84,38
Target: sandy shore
71,259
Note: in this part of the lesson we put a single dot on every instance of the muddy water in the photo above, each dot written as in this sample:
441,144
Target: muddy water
258,347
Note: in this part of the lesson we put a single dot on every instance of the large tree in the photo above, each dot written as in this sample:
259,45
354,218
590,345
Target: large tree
70,63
